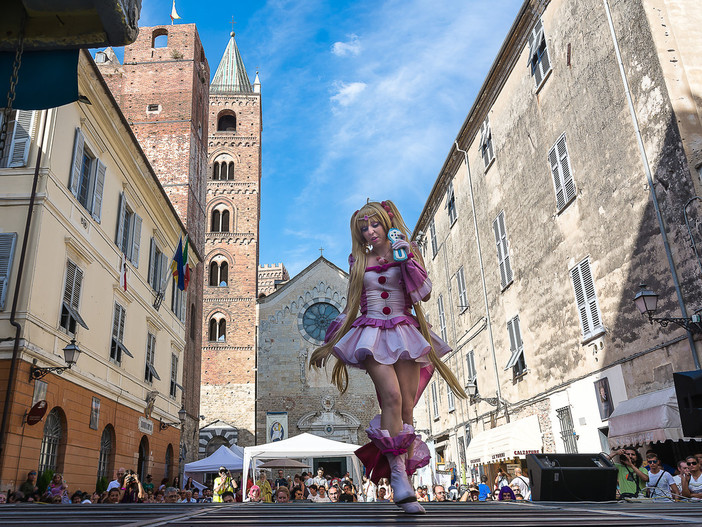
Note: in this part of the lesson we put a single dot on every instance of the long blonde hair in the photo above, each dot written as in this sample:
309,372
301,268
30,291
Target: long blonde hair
359,253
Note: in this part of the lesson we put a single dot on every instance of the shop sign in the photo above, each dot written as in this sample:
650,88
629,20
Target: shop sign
36,413
146,425
498,456
525,452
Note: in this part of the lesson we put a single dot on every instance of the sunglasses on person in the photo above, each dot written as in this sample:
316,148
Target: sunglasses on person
692,463
653,461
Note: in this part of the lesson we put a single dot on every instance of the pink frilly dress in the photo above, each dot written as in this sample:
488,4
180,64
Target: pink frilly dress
388,331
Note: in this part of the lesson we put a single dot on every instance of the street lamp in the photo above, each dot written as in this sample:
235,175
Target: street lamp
181,417
647,302
71,353
475,397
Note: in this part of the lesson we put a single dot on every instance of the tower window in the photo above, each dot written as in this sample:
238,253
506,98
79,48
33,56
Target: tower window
218,329
227,123
159,38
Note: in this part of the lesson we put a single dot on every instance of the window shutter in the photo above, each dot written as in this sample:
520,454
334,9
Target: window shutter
502,249
77,286
100,170
590,295
21,138
545,63
136,239
586,298
515,343
78,146
164,273
120,221
7,250
151,278
116,322
70,280
555,170
564,161
183,303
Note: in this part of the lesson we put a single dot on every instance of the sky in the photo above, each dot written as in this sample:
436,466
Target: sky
361,99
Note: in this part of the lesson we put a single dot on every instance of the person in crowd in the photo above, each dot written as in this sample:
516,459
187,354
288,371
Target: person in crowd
133,491
118,482
506,494
298,494
176,483
660,484
368,489
312,492
265,486
502,479
228,497
29,487
113,496
188,497
163,485
484,492
322,496
348,490
57,487
188,484
334,494
77,496
95,497
149,484
3,498
439,493
692,481
17,497
518,496
521,482
196,494
391,340
682,468
282,495
170,495
223,483
383,494
299,481
631,474
320,480
159,496
422,493
280,481
255,494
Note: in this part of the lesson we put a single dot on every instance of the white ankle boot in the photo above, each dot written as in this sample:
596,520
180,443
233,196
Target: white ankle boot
403,492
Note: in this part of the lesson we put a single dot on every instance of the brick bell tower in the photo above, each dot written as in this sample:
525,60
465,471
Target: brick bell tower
162,89
231,255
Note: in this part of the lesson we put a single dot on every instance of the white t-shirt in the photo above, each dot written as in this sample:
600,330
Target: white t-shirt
320,482
317,499
114,484
695,485
659,485
523,483
369,491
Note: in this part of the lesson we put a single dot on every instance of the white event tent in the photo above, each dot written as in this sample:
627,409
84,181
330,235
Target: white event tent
300,447
232,458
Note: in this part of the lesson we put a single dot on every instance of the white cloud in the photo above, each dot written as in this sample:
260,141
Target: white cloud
346,93
352,47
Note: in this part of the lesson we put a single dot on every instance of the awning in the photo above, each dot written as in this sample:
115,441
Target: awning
515,439
650,418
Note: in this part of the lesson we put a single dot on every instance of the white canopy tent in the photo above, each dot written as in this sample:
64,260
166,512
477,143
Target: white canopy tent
300,447
231,458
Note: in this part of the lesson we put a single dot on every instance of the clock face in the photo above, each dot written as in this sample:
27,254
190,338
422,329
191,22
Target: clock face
317,318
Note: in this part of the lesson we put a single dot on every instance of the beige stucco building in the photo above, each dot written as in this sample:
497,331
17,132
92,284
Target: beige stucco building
542,224
98,201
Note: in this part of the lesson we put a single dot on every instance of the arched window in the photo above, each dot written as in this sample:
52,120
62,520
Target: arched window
223,272
215,171
169,462
143,461
214,444
106,459
225,221
54,434
226,123
216,221
159,38
218,328
230,177
220,219
214,274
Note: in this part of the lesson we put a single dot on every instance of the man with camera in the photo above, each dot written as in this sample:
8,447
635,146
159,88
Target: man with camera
223,483
631,475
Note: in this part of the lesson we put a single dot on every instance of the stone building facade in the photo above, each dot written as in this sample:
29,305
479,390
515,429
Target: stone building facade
271,277
231,249
293,321
162,89
99,202
541,225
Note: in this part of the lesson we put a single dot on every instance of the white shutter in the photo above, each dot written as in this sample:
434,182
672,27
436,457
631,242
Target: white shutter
21,138
136,239
77,163
151,275
7,250
442,317
77,286
183,304
161,287
515,342
122,211
586,298
100,170
557,181
564,161
502,249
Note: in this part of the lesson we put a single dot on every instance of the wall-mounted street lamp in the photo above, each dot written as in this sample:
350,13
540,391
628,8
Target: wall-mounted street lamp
71,353
181,416
475,397
647,302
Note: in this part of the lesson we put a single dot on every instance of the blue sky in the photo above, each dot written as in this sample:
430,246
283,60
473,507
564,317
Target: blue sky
360,99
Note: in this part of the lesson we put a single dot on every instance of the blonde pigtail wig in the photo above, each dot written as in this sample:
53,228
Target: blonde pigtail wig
390,217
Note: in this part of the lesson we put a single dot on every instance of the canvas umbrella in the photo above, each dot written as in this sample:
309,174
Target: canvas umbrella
283,463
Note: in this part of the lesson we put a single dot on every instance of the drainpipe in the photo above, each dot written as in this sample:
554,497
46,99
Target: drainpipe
18,284
482,277
649,177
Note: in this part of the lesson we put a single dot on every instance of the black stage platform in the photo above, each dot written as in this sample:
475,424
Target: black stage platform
354,514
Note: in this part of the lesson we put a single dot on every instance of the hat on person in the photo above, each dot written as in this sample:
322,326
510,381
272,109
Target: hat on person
222,469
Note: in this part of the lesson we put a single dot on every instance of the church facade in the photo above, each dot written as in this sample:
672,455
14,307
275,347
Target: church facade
292,398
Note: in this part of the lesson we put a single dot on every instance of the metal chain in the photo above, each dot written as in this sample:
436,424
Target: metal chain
11,93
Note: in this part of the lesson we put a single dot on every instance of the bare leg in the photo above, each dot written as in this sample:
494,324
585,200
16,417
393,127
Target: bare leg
386,382
408,378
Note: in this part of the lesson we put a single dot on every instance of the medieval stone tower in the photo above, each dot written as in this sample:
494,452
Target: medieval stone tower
162,89
231,255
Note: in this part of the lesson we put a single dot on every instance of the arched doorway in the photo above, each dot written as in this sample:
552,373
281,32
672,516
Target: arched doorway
143,463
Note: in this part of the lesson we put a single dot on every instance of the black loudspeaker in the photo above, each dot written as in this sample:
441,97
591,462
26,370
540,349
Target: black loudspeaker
572,477
688,388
